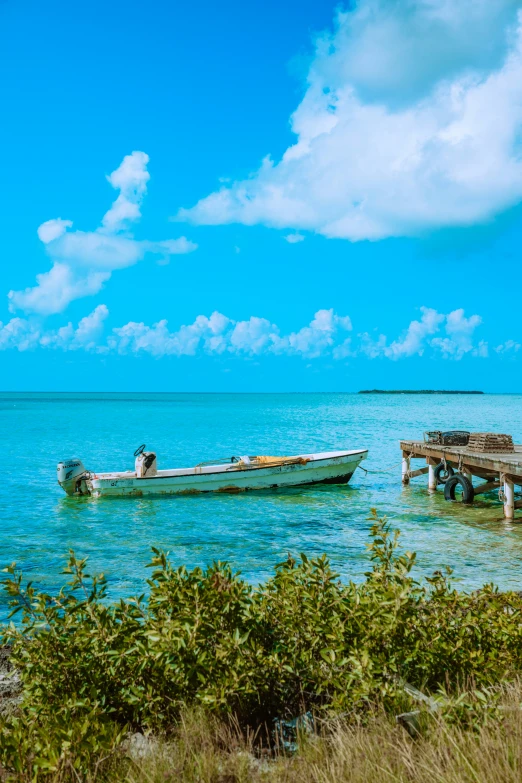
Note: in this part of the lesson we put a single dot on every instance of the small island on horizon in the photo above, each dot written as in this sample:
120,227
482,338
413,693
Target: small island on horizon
416,391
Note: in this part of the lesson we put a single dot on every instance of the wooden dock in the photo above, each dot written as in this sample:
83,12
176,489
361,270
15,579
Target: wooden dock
498,471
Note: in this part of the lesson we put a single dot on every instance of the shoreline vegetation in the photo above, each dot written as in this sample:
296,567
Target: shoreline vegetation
302,678
415,391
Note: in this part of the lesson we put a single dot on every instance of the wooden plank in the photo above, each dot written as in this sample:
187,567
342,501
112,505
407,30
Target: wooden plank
509,464
488,487
419,472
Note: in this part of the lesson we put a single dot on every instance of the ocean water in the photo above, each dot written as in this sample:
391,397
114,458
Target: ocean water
253,531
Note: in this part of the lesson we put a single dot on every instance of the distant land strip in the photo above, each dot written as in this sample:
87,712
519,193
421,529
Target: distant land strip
416,391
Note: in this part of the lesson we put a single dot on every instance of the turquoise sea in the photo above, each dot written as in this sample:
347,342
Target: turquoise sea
38,523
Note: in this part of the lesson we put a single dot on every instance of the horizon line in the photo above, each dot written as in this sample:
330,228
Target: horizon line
71,391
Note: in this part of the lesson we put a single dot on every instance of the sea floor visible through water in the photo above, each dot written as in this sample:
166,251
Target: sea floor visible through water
252,531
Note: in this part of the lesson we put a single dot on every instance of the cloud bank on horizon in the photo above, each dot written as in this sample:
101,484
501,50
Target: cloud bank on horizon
82,261
449,336
411,121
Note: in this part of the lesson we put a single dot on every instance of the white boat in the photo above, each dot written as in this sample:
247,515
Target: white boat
237,474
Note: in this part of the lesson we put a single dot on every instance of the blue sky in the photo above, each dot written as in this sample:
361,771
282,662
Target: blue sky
262,196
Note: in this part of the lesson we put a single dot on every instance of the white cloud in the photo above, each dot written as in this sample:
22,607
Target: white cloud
458,339
219,335
84,260
253,336
344,350
411,121
23,334
56,289
18,334
293,239
413,340
158,341
86,336
90,327
509,347
373,348
377,43
130,178
52,229
315,339
482,350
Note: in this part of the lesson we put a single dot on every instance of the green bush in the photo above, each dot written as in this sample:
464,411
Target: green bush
303,641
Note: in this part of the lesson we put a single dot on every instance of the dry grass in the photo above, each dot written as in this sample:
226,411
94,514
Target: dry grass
206,752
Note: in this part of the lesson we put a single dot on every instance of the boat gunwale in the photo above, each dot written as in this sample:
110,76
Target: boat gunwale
131,475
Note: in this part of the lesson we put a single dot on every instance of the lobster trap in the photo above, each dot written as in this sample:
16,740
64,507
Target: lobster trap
448,438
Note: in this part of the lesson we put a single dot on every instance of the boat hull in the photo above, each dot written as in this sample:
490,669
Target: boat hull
336,468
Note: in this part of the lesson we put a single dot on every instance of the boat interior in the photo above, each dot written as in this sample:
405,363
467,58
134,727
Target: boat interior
230,464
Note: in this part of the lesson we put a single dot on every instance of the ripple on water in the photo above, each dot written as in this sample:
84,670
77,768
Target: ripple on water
38,524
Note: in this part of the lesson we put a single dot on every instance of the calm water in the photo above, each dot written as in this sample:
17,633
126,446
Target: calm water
38,523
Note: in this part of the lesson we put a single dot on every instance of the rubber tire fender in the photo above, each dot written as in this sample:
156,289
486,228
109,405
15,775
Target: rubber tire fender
446,473
468,493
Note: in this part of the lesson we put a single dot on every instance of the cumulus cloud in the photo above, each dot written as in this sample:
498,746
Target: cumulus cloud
413,340
158,341
411,121
459,339
253,336
448,336
52,229
456,341
218,334
293,239
19,334
55,289
315,339
24,334
509,347
82,261
86,335
130,178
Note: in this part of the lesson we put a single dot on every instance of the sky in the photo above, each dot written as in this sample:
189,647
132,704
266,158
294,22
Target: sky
262,196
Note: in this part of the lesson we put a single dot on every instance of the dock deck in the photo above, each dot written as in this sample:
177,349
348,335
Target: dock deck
499,471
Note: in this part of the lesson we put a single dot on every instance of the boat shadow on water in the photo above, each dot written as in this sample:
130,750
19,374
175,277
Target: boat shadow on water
307,495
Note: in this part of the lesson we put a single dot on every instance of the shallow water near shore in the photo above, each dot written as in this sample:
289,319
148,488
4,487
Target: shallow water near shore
253,531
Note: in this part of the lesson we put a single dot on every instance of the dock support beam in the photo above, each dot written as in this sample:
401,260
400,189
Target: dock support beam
405,468
509,499
432,481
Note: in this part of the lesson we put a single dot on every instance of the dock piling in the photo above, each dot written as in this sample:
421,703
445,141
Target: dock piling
509,499
405,468
495,470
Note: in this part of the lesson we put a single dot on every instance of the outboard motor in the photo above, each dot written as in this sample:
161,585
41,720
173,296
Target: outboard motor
146,464
70,474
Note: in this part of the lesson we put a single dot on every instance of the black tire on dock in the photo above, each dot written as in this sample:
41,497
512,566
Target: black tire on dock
442,474
468,493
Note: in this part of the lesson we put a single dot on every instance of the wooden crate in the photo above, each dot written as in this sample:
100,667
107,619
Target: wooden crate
491,443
